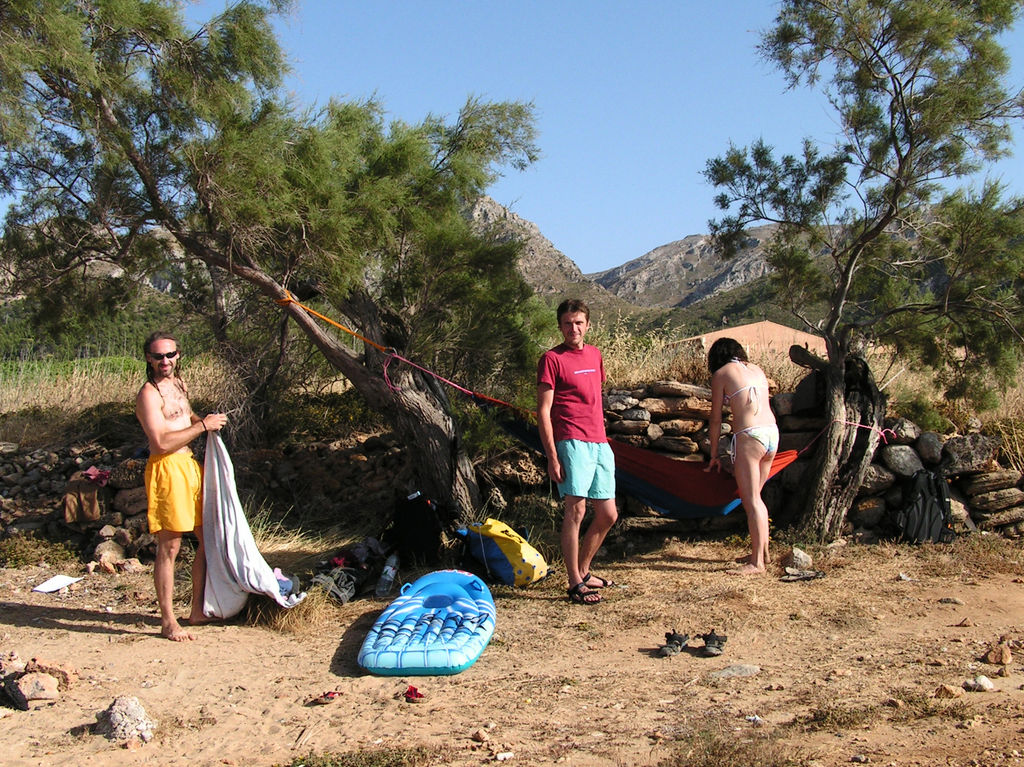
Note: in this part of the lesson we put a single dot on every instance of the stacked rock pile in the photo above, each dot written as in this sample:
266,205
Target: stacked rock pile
995,500
672,418
45,491
665,416
356,478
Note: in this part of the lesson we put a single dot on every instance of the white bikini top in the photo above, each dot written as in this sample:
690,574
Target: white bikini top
754,398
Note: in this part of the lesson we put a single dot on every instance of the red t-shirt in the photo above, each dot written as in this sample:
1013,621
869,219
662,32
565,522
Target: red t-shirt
576,377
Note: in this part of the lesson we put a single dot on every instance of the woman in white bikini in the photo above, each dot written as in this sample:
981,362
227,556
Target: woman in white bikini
742,386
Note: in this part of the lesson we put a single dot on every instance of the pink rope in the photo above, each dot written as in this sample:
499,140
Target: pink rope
392,355
881,432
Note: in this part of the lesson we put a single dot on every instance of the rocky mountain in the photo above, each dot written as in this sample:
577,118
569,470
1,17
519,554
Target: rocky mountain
545,268
678,274
686,271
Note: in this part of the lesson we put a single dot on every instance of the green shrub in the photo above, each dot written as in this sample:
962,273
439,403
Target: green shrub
30,551
924,412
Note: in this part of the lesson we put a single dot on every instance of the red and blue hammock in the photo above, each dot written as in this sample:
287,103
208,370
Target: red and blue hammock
679,489
673,488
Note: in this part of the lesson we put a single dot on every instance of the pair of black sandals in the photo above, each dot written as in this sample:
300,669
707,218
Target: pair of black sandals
714,644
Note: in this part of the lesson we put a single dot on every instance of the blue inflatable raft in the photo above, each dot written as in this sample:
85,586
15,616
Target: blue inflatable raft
439,624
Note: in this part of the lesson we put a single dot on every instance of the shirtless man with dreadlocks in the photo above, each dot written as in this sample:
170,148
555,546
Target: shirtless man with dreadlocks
174,481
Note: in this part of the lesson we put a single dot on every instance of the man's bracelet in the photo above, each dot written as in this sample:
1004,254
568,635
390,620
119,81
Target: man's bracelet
203,422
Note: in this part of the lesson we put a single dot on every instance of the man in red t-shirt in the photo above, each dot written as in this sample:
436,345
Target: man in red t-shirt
580,460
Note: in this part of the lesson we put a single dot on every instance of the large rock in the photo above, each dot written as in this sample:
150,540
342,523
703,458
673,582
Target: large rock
677,389
782,403
30,687
667,407
794,475
969,454
675,427
959,512
796,440
627,427
1002,518
877,479
900,431
801,423
636,440
617,402
997,500
989,481
929,447
65,675
681,445
109,552
125,720
901,460
130,501
868,512
635,414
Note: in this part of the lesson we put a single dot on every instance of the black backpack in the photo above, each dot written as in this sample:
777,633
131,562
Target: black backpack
416,530
925,514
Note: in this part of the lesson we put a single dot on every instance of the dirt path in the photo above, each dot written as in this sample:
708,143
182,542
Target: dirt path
848,665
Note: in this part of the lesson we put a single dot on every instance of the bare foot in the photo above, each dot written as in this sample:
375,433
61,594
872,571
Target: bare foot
176,633
197,620
747,569
745,560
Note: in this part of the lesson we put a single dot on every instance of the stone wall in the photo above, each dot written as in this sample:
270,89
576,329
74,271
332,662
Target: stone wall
672,418
44,491
356,480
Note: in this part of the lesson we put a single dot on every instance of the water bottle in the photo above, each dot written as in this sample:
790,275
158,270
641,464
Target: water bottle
387,576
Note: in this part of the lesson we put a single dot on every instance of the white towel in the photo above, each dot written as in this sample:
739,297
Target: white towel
234,566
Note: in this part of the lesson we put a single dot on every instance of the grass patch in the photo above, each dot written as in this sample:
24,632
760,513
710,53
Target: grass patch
378,757
631,357
716,748
971,554
837,717
313,616
30,551
297,552
47,401
914,705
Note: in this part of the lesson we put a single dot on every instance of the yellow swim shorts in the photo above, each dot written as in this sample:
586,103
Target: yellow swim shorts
174,491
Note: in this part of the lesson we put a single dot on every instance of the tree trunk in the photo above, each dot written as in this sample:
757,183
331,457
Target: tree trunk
855,410
431,436
410,400
417,410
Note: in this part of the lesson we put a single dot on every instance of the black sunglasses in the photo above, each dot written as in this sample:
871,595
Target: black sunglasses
164,356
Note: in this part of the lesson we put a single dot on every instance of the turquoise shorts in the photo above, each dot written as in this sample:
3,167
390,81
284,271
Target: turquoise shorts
589,469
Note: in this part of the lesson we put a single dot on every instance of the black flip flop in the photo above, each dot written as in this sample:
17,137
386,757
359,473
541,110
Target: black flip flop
578,595
604,582
795,574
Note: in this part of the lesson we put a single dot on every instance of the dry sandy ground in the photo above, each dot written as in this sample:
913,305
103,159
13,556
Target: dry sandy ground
848,666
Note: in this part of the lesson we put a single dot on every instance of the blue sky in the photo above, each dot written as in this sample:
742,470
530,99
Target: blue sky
632,99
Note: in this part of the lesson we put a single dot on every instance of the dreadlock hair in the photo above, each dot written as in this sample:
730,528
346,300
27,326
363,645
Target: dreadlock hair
159,335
